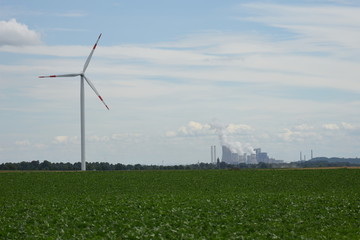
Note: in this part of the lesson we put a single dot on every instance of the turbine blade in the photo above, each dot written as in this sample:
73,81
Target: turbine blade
62,75
96,92
91,53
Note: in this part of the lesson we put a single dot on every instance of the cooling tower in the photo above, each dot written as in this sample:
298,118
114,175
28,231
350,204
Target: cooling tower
226,154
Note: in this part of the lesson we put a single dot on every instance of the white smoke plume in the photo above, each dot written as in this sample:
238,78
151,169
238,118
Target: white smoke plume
224,131
194,129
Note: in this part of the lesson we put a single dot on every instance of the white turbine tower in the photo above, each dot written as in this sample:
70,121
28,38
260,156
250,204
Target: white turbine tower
82,100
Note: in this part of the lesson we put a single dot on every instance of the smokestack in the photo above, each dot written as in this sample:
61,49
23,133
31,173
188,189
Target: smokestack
300,156
212,154
312,156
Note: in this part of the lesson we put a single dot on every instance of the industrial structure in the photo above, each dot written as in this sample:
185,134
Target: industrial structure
252,158
213,154
303,157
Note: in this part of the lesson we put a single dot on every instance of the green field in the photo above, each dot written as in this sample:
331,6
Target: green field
208,204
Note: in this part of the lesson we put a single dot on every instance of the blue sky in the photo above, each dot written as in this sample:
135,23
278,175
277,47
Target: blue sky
280,75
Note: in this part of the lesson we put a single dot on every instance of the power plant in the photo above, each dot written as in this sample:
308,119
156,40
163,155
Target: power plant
235,152
256,157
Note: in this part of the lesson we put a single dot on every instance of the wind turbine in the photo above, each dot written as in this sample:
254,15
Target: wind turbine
82,99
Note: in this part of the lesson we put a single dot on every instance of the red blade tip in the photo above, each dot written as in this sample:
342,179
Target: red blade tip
47,76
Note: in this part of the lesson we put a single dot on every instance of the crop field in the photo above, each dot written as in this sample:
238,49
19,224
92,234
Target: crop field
204,204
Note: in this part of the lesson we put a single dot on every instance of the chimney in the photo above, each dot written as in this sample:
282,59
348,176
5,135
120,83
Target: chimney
212,154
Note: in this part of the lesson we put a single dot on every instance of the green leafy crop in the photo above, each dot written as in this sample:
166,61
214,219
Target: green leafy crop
208,204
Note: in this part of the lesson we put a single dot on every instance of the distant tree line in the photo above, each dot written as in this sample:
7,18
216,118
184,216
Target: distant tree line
336,160
329,162
105,166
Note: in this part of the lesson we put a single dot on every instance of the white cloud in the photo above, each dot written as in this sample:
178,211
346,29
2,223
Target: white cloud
170,134
301,133
198,126
236,128
306,133
303,127
326,26
27,145
23,143
228,58
95,138
192,129
331,126
40,146
61,139
66,140
202,129
347,126
340,126
141,63
124,136
17,34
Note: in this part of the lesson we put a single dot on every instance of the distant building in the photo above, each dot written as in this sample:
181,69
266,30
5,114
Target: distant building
243,158
261,156
251,159
226,155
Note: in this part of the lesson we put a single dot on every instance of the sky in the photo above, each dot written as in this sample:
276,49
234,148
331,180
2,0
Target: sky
282,76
